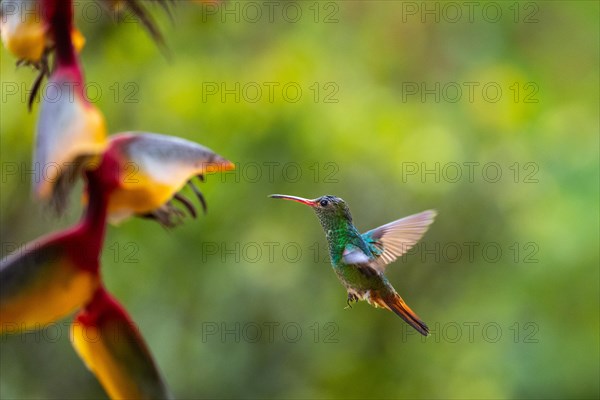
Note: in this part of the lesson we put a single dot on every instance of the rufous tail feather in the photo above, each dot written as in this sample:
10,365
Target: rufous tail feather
397,305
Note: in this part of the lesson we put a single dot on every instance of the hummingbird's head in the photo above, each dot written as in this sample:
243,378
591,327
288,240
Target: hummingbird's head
328,208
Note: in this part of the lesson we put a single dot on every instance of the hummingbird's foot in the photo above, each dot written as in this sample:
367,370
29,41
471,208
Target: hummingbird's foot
351,298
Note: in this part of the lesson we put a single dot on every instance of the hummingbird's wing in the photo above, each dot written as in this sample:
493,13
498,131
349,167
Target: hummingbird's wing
394,239
354,255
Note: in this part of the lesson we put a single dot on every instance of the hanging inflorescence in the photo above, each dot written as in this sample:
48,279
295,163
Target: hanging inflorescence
59,274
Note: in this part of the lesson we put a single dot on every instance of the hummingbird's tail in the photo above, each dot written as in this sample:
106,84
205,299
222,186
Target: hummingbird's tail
397,305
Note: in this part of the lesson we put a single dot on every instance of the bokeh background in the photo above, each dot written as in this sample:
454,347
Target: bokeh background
242,303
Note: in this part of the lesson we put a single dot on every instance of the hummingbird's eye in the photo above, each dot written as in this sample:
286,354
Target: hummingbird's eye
323,203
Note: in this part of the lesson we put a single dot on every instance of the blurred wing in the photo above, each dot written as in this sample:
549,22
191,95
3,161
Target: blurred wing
69,129
153,168
396,238
39,284
112,348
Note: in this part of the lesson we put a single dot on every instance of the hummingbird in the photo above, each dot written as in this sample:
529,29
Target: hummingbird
359,260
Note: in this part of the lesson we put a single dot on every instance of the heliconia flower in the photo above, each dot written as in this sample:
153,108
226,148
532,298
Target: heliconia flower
25,32
150,170
70,131
34,29
111,346
54,276
45,282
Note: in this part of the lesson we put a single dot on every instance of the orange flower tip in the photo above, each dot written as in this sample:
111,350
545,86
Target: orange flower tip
217,166
78,39
226,165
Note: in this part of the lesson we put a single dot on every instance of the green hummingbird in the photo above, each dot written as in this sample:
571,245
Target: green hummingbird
359,260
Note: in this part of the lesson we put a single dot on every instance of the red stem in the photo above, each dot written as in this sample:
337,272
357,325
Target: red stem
59,17
94,221
89,232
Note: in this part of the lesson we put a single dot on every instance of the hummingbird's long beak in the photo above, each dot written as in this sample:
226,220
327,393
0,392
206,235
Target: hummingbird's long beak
294,198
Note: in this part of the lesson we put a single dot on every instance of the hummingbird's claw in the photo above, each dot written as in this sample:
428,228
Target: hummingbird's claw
351,298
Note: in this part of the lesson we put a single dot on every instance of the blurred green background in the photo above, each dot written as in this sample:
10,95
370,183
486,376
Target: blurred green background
378,108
